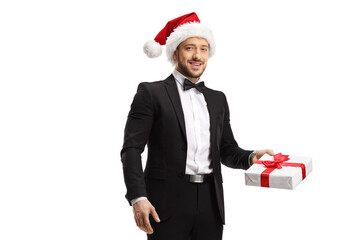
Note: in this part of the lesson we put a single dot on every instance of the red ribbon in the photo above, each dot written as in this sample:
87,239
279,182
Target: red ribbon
278,163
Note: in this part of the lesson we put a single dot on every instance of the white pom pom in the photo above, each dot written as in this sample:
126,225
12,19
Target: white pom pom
152,49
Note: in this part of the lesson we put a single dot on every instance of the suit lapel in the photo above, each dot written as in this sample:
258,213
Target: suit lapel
175,100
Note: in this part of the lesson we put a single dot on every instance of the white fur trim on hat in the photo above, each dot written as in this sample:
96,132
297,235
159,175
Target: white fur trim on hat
185,31
152,49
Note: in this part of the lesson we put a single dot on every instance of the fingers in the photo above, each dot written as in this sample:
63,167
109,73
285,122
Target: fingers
155,215
142,210
147,225
269,151
142,221
261,153
137,221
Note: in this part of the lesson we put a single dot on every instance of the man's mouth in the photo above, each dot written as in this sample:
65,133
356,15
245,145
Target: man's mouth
195,64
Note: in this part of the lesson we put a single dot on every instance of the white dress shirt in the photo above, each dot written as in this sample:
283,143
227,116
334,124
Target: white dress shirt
197,125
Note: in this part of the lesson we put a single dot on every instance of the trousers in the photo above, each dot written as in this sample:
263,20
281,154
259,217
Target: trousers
195,218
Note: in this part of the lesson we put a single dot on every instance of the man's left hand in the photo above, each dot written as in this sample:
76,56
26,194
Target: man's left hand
261,153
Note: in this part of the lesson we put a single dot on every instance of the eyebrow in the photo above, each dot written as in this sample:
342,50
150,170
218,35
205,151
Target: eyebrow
192,44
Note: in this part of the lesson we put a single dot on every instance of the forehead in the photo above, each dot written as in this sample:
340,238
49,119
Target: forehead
195,41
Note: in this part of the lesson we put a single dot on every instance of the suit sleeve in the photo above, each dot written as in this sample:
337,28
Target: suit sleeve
136,134
231,154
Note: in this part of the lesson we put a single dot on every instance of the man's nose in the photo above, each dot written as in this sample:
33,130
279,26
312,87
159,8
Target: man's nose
197,54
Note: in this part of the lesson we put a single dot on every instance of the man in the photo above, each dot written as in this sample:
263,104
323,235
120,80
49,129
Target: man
187,129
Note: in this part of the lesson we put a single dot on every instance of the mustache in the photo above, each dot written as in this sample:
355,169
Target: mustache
196,60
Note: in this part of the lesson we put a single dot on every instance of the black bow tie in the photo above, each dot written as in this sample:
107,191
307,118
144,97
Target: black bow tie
188,84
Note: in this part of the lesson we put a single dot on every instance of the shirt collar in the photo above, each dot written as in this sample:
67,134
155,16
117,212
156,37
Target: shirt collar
179,77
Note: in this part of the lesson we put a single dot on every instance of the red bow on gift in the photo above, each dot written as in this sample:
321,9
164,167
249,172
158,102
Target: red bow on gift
279,159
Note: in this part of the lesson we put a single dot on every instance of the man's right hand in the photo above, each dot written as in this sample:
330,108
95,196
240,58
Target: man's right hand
141,210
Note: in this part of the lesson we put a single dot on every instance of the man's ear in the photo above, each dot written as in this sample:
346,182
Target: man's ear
175,56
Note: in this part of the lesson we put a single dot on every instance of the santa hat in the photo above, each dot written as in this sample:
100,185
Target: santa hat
177,31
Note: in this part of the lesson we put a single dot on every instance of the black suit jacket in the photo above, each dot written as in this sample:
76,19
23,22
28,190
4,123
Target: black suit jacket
156,119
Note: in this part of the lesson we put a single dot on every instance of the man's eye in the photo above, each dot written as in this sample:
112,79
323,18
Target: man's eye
204,49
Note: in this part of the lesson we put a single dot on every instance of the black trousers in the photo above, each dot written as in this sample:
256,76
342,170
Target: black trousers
196,218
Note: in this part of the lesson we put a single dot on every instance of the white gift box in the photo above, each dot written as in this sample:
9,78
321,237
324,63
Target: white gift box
288,177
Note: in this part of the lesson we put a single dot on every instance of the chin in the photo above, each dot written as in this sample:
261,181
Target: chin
195,72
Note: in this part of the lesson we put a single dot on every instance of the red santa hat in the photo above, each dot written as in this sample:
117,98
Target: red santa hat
177,31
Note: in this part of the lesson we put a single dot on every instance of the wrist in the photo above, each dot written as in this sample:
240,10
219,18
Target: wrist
251,157
135,200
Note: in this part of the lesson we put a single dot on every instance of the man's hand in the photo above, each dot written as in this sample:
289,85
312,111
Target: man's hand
141,210
261,153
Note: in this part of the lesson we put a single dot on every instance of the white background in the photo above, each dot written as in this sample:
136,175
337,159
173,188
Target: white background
69,71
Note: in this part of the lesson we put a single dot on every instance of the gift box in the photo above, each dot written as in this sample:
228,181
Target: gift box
278,171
